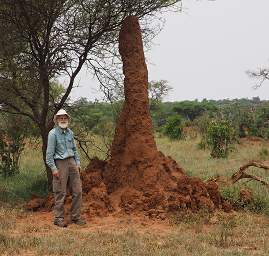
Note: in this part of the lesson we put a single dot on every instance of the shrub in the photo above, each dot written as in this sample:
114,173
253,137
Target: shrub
13,131
219,137
173,127
202,122
259,203
10,151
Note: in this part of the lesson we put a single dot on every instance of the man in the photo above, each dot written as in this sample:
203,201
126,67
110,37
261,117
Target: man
63,159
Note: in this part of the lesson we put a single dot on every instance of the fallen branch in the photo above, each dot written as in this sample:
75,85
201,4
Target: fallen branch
241,173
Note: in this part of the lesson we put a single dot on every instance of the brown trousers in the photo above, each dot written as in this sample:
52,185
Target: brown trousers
69,177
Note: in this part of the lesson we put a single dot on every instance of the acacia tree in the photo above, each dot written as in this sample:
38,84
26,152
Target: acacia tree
158,89
43,39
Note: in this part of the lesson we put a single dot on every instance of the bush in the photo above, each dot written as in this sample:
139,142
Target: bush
173,127
20,187
259,203
219,137
13,131
202,123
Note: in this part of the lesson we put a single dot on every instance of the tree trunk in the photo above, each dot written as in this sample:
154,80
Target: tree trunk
44,135
46,126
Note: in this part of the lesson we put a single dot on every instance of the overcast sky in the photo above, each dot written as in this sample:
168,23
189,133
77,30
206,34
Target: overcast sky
205,51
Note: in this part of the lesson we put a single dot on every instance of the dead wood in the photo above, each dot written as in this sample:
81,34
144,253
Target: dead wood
241,173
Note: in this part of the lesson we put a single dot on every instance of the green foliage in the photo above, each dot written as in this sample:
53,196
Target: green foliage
21,187
13,131
193,109
94,118
57,90
219,137
173,127
158,89
202,123
248,117
258,204
88,115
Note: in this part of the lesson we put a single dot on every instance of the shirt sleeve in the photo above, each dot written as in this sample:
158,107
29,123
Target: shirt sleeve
76,155
50,152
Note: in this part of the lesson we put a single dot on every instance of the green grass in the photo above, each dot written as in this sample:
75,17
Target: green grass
199,163
30,180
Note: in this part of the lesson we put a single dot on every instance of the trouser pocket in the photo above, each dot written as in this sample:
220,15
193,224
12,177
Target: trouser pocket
56,185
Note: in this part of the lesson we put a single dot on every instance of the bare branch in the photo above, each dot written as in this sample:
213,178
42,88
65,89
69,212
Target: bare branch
241,173
261,76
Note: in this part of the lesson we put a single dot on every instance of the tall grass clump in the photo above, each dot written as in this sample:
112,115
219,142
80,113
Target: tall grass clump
30,180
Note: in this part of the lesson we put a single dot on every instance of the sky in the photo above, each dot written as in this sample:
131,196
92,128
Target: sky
205,50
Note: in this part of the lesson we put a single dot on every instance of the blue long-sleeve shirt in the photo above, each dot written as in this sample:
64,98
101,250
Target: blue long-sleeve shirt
61,145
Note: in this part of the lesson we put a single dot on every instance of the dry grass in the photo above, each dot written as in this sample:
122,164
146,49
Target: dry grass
221,234
198,162
241,233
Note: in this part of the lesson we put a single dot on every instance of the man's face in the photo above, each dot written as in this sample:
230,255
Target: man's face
63,121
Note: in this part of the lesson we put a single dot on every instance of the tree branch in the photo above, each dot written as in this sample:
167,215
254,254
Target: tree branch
241,173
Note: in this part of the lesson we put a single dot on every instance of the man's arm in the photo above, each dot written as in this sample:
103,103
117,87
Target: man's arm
50,152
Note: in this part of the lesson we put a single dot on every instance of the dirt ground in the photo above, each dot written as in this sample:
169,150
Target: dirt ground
140,223
115,223
237,233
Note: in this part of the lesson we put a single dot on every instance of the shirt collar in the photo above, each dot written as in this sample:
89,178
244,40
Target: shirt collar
62,131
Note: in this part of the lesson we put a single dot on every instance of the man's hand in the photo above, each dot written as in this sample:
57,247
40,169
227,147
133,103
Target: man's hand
56,174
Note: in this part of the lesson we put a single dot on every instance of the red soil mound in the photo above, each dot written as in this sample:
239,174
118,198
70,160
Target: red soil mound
139,178
173,191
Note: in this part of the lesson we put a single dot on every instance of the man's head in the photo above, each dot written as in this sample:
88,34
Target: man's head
62,119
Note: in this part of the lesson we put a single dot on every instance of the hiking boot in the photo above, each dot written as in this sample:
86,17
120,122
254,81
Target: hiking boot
60,223
80,222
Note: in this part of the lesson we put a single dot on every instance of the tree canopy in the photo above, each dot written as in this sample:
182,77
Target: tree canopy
47,38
